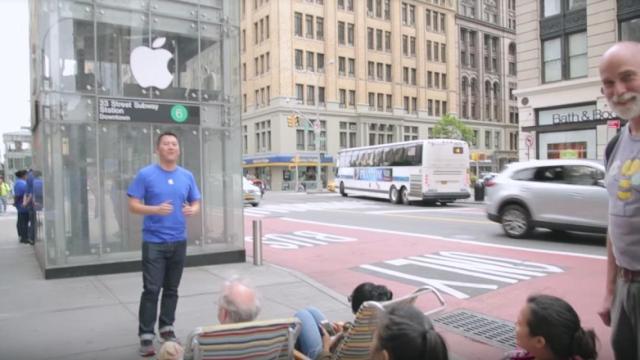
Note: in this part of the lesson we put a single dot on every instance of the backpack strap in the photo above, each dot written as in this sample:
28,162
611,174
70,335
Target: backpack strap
609,149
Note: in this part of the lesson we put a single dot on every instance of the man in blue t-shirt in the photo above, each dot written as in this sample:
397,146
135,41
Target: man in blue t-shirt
19,198
165,194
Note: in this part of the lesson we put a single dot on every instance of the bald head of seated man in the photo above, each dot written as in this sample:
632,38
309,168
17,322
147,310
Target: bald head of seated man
238,302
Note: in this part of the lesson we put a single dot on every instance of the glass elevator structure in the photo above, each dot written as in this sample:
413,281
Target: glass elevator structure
107,77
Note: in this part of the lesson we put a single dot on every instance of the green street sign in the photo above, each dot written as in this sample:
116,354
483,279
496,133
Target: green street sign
179,113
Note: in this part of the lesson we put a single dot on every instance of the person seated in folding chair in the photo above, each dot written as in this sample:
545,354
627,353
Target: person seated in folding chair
403,333
238,302
310,340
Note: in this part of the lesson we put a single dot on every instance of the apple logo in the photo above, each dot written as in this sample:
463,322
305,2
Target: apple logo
149,65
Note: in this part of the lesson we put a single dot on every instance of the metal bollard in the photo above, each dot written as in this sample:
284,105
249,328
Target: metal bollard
257,242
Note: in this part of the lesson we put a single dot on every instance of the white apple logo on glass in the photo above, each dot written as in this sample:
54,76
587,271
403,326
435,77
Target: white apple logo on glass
149,65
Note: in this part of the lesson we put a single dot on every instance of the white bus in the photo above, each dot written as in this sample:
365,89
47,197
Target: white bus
435,170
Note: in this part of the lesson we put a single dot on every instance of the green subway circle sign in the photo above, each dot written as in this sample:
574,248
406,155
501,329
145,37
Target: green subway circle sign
179,113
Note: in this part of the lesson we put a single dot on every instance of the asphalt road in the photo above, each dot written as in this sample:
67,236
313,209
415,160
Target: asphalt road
461,220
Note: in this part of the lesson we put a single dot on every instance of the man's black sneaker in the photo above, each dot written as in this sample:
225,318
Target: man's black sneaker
146,348
168,335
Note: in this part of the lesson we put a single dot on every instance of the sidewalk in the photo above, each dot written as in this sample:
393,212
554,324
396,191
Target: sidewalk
95,317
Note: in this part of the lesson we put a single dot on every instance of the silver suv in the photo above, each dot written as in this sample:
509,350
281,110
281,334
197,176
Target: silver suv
553,194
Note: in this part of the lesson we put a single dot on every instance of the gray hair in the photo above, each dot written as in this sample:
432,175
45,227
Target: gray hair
238,310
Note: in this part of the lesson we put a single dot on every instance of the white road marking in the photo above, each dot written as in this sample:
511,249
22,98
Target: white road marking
442,238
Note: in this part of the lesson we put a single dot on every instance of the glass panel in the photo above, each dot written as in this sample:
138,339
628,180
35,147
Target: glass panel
222,190
118,33
68,40
577,4
211,62
630,30
551,7
181,49
552,62
174,8
71,212
124,150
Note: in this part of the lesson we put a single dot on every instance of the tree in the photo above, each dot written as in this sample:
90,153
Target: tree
450,127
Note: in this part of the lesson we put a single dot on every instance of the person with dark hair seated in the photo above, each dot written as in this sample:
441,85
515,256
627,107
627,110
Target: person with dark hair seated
548,328
405,333
310,342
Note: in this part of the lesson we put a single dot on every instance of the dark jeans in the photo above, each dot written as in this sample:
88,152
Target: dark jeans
23,225
162,266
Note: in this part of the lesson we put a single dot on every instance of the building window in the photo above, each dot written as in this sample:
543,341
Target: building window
310,57
341,66
487,139
405,103
552,59
352,67
380,71
309,21
372,101
379,40
578,55
388,72
320,95
552,7
387,41
320,63
299,139
380,106
430,107
343,98
630,30
559,64
371,70
370,39
352,98
350,34
389,103
410,133
298,24
341,33
319,28
412,46
347,134
300,93
311,96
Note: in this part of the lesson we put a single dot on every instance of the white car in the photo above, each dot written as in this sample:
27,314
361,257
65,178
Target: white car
251,194
565,195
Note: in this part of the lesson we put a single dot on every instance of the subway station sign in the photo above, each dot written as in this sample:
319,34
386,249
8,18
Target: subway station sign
147,112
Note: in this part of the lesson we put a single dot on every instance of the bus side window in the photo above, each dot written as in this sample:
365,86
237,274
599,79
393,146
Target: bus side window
418,158
387,157
377,159
398,156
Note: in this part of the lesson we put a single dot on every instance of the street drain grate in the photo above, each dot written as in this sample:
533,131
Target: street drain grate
479,327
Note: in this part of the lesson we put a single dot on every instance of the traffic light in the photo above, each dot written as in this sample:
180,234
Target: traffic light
292,120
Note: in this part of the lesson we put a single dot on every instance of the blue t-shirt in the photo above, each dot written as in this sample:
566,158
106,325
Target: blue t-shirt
154,186
19,191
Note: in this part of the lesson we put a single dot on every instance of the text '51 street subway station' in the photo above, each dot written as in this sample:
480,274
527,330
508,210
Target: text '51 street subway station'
107,78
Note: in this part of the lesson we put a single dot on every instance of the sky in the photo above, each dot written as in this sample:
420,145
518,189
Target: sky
14,67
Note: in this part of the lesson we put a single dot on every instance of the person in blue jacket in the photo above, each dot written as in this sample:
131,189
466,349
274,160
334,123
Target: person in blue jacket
166,194
19,198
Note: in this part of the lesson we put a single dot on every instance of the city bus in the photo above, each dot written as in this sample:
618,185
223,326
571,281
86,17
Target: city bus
435,170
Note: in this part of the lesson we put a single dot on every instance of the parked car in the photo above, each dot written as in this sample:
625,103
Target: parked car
566,195
251,194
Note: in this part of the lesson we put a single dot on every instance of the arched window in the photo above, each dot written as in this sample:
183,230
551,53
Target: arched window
474,98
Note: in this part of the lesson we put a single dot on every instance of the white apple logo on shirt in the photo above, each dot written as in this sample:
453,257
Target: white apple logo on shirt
149,66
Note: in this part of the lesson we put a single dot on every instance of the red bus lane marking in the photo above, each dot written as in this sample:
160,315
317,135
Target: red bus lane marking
486,278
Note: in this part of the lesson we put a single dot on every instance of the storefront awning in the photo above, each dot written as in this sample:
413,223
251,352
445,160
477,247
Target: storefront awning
286,160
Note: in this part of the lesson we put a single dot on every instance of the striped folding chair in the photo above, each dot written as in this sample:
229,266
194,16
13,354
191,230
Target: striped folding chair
255,340
357,342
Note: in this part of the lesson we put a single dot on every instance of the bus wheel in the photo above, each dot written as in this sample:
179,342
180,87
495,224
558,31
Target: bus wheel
394,195
342,189
404,196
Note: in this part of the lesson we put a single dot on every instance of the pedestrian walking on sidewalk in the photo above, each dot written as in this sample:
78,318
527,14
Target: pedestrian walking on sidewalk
620,75
5,191
19,195
166,194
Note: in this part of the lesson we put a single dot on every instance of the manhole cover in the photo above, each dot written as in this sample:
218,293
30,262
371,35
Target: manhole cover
480,327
